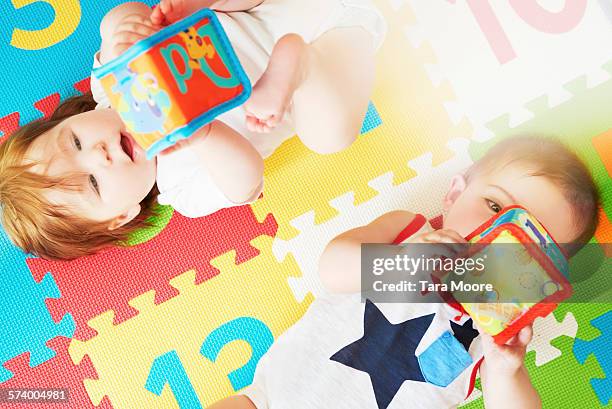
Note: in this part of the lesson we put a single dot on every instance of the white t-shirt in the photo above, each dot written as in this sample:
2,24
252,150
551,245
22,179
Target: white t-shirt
183,181
345,354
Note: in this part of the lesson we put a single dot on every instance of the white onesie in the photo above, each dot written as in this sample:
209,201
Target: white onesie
183,181
345,354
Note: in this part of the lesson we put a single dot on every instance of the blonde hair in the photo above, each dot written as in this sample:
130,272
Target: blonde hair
34,224
551,159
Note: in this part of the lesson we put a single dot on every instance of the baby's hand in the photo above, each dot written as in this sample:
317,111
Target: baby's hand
193,141
168,12
509,358
447,243
441,244
439,236
131,29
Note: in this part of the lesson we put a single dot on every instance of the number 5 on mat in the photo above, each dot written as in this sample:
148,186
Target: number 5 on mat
67,18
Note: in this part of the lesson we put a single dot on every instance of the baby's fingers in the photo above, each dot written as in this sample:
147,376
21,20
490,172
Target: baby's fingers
451,244
157,17
272,121
125,40
134,18
452,236
166,7
172,10
442,236
120,48
178,145
522,338
139,29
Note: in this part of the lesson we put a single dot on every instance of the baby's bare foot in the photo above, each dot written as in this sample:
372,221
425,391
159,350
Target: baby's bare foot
273,92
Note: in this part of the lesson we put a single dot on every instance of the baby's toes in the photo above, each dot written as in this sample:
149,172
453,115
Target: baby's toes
273,121
260,127
251,123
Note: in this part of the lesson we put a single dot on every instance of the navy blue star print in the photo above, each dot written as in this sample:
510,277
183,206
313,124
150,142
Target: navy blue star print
386,352
465,333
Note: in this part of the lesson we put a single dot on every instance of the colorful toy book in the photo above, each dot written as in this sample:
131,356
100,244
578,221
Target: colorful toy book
169,85
526,267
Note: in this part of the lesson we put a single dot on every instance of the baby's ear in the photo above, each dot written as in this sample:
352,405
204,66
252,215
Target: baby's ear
457,186
125,218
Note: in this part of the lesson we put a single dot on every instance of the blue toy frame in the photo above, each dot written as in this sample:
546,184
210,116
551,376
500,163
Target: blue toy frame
234,64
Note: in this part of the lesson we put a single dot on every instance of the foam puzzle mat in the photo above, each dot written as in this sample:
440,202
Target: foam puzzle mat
181,318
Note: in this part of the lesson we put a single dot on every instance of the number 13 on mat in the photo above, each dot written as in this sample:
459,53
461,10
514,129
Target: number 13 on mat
168,368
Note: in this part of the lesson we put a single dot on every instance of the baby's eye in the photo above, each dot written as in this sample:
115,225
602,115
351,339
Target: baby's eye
94,183
77,142
494,206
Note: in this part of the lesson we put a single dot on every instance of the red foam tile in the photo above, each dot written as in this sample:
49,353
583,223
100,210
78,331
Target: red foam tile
108,280
83,86
8,125
48,104
59,372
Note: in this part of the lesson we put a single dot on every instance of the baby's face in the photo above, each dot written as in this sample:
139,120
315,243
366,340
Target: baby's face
116,173
468,207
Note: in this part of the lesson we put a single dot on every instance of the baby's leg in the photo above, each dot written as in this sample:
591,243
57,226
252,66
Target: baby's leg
329,82
273,92
330,104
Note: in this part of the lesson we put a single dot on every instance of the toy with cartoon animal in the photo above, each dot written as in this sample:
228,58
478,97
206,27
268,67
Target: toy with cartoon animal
167,86
197,47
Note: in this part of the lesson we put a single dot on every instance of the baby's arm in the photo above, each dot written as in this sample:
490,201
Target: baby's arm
505,381
340,263
233,163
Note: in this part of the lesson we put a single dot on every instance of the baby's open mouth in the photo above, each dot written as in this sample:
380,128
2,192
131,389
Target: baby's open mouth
128,146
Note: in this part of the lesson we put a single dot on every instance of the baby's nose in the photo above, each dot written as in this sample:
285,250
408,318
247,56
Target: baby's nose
102,154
